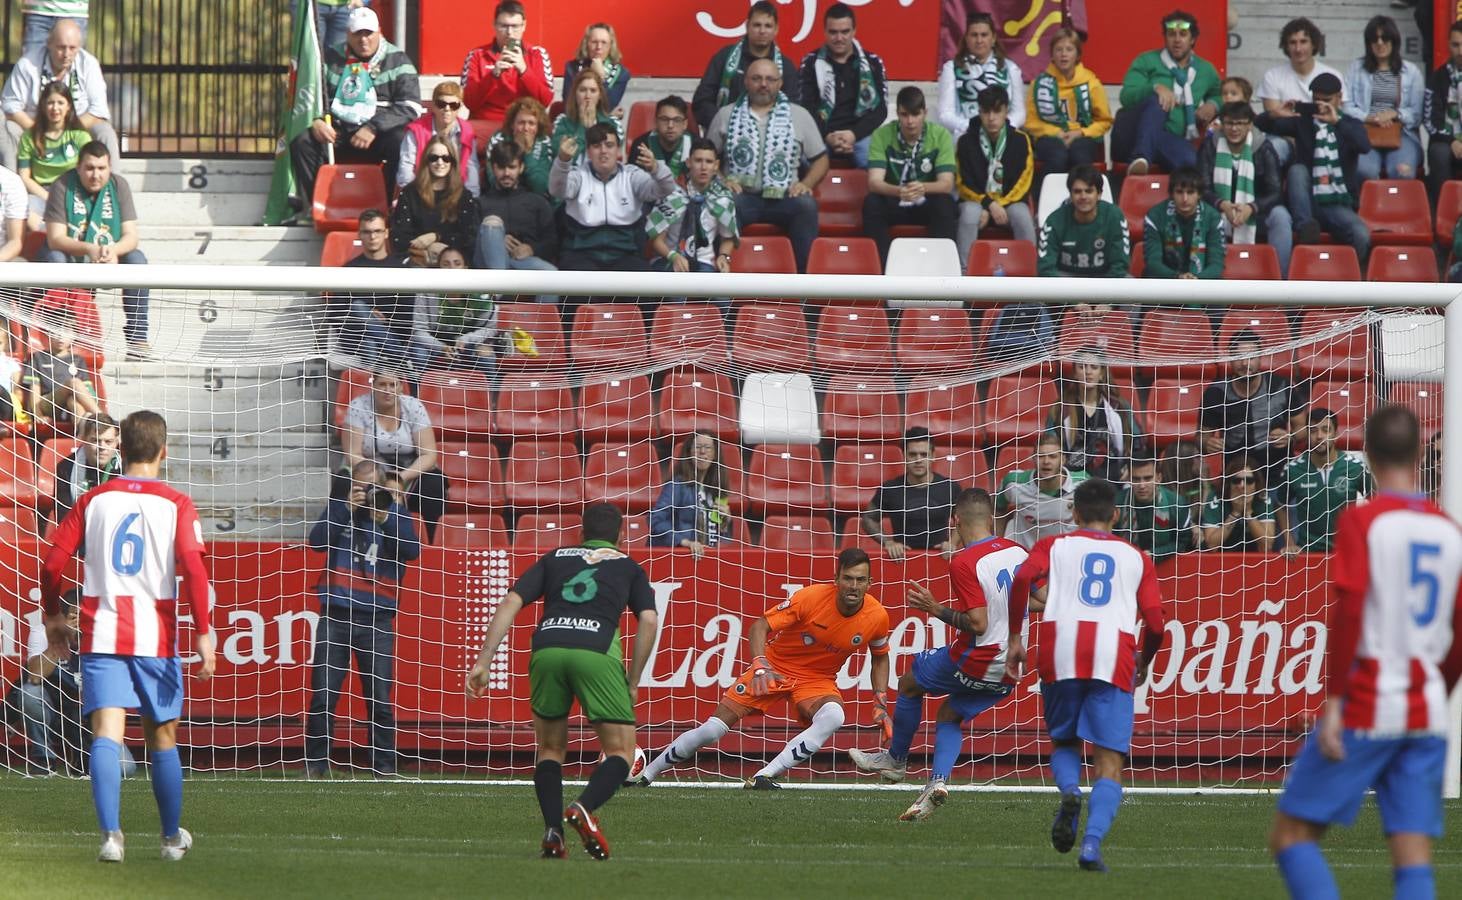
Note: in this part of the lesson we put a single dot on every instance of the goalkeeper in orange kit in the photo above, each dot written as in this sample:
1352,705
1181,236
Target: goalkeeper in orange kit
797,648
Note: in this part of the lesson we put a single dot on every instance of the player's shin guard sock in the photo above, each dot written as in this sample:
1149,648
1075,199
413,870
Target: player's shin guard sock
908,715
1414,883
1305,872
607,778
548,783
948,737
825,722
106,783
1066,768
167,788
683,748
1101,809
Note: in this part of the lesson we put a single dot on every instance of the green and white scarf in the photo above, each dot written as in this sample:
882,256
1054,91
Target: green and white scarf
1183,77
354,102
971,77
1327,178
458,314
677,159
1233,180
1454,101
827,83
92,218
767,155
611,73
995,152
716,209
1172,237
1049,107
733,65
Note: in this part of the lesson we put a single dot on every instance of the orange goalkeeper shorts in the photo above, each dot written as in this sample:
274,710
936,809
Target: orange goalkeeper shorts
793,688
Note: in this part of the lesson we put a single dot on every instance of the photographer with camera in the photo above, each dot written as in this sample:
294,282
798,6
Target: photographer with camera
368,537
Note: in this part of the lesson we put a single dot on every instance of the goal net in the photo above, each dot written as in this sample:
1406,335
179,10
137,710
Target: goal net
1200,402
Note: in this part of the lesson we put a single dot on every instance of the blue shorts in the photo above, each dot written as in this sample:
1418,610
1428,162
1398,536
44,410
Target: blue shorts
1406,773
1091,710
152,685
936,673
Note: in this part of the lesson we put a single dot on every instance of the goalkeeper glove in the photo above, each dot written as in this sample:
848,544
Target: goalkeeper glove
881,717
763,677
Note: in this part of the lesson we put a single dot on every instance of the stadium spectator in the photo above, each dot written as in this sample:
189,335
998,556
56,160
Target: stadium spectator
90,218
918,504
58,382
1036,502
670,140
94,461
1431,467
588,106
1168,98
443,121
368,539
694,229
693,510
63,59
527,126
1316,485
41,16
332,19
1243,180
1181,237
1152,516
517,231
1239,518
437,211
454,330
1289,84
1235,89
1323,184
911,166
765,139
393,430
1454,268
376,250
378,325
12,398
724,81
13,212
1019,330
373,94
599,50
1442,113
49,149
980,64
1385,91
49,698
1099,431
996,171
1251,413
496,74
1085,237
1181,471
603,202
844,88
1071,114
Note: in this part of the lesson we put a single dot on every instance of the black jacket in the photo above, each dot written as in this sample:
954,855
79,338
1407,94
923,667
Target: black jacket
1351,132
412,218
703,102
526,216
1434,103
1268,179
973,168
844,113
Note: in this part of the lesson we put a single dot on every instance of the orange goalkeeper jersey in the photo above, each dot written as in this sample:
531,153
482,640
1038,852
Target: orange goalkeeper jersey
812,639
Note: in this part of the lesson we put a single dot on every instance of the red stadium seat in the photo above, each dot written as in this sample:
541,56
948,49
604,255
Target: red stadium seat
76,306
1324,262
52,453
1352,402
1177,340
1141,193
472,532
527,407
1269,323
785,477
840,203
1397,211
544,475
1010,459
458,403
935,341
541,322
686,334
482,132
641,120
627,475
770,338
858,470
343,192
951,412
1137,262
18,524
769,255
1017,407
1017,258
340,248
474,476
966,466
1449,209
1424,398
844,256
1251,262
1400,263
1110,333
1346,355
861,408
609,336
853,339
698,401
541,532
1174,407
617,409
853,536
797,534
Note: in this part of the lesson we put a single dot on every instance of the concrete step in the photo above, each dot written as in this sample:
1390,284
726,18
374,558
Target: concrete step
252,486
224,400
229,244
222,326
201,207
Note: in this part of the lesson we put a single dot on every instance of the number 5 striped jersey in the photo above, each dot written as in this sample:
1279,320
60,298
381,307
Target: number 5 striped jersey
1098,585
140,535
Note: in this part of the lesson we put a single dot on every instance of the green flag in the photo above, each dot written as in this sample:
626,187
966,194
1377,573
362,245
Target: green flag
306,86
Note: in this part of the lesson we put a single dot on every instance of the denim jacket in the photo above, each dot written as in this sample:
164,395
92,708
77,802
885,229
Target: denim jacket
673,517
366,559
1357,102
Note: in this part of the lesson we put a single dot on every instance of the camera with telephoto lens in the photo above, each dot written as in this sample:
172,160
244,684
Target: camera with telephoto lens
380,498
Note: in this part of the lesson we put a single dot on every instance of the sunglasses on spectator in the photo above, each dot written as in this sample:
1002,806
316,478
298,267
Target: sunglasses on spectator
1177,25
447,104
438,157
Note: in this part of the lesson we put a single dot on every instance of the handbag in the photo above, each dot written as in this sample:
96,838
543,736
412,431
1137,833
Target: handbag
1384,137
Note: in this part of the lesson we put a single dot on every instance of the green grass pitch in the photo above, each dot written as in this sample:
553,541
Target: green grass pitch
366,839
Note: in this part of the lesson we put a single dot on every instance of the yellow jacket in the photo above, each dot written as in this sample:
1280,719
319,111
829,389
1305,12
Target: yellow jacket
1101,113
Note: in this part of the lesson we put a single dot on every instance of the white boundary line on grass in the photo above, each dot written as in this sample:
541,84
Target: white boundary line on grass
791,786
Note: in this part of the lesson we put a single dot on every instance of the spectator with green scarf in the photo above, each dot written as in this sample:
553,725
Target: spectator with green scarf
843,86
724,81
1181,237
1168,98
1069,115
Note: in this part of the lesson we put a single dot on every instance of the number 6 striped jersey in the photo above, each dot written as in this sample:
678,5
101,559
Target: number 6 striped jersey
1098,585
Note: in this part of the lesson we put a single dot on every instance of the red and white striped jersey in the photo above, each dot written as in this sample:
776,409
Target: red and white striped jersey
1396,571
1098,585
981,575
135,531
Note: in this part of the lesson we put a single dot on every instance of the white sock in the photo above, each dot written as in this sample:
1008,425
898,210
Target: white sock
683,748
825,722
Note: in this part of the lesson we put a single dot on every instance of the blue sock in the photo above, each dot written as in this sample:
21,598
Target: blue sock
1305,872
167,788
1101,808
106,783
1066,767
1415,883
908,715
948,738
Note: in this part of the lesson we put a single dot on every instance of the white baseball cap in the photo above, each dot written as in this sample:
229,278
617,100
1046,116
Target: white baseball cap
363,18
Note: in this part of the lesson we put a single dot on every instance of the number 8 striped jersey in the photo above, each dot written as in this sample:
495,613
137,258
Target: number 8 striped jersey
140,535
1098,586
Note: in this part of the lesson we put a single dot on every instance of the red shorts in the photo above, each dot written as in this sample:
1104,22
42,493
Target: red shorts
796,689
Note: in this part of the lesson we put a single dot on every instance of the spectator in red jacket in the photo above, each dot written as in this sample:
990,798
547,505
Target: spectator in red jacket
496,74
